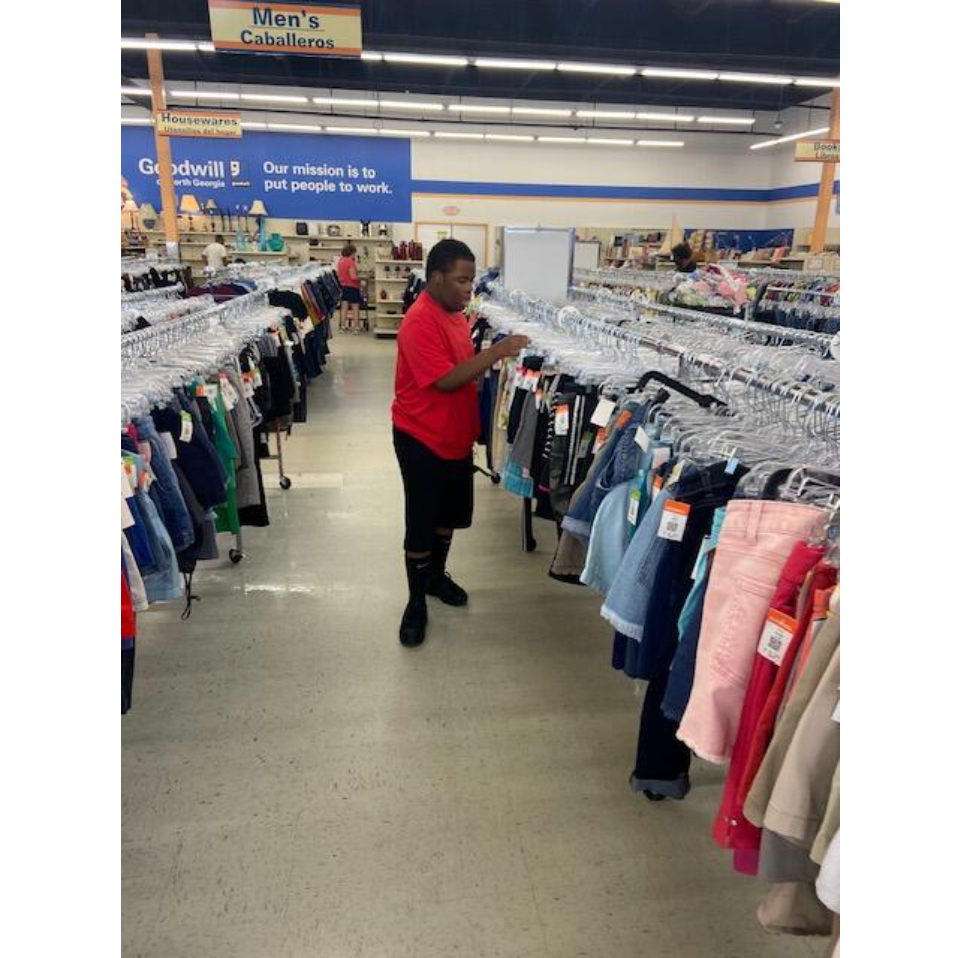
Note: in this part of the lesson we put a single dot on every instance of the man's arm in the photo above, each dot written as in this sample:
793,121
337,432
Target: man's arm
475,366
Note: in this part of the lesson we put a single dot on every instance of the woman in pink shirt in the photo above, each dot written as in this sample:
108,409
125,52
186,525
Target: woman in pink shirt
348,278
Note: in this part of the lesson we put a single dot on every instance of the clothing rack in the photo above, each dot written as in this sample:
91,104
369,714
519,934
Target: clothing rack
823,341
151,295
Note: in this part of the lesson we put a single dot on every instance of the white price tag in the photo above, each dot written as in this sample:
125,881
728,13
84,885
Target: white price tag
562,420
247,387
168,440
126,486
186,427
776,636
602,412
211,390
642,438
634,506
673,521
661,455
732,464
258,379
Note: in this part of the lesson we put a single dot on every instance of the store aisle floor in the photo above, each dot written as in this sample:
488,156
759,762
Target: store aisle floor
298,784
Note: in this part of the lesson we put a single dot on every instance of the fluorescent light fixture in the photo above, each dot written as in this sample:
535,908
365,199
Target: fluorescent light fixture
608,141
727,120
295,127
370,55
562,139
206,47
253,125
513,137
671,144
138,43
405,133
274,97
770,78
816,81
352,130
670,73
410,105
205,94
428,59
136,121
497,63
788,139
477,108
606,114
607,68
135,91
458,136
343,101
666,117
538,111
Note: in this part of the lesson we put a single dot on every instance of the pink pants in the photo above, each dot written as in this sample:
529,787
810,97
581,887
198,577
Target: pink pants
755,541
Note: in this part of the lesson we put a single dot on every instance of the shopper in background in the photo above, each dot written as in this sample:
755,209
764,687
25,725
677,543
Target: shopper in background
683,258
215,254
350,283
436,415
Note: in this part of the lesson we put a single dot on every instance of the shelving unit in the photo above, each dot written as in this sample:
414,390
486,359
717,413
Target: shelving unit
389,312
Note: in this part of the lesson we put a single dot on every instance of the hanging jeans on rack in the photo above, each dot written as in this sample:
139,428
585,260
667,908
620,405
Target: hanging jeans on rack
165,490
662,760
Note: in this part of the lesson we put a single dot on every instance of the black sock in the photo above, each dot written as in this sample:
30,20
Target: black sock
418,571
438,555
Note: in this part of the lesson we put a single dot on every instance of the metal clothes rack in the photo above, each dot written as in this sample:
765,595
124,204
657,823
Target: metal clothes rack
144,295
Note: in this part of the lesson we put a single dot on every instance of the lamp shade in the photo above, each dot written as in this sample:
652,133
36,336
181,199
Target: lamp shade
148,212
130,206
189,204
210,205
257,208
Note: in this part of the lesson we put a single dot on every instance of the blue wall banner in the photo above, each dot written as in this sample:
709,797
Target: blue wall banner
298,176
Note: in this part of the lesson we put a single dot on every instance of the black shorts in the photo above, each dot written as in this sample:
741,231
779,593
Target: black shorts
438,493
351,294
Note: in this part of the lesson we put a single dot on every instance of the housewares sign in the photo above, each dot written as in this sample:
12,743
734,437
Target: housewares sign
317,29
818,151
197,123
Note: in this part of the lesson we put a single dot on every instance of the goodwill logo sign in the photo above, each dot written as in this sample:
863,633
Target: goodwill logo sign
297,176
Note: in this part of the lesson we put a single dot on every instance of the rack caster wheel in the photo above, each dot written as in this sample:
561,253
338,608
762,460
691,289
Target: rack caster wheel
496,480
284,482
653,796
531,546
235,556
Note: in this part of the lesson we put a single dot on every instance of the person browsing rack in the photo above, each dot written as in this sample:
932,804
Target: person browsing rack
436,420
349,280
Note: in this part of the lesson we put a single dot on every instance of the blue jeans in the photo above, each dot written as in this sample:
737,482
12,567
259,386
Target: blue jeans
165,490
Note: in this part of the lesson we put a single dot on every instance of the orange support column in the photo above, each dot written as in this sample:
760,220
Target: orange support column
826,192
168,198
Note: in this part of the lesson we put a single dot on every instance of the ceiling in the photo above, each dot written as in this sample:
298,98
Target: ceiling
794,37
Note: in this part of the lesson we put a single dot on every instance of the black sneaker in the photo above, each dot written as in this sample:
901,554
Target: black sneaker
443,587
413,625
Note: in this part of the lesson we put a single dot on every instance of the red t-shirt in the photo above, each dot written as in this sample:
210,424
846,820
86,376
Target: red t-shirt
430,343
343,272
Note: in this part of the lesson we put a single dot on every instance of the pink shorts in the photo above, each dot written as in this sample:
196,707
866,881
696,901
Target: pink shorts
756,539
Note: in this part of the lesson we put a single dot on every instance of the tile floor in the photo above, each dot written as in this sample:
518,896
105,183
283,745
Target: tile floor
297,784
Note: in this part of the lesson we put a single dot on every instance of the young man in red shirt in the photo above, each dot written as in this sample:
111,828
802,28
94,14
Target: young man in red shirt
436,415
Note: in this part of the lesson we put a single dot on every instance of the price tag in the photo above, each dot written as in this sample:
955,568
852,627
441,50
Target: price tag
200,390
258,379
126,486
602,412
700,555
642,438
673,521
247,388
634,506
531,378
732,464
776,636
675,472
211,390
656,486
168,441
186,426
562,420
600,440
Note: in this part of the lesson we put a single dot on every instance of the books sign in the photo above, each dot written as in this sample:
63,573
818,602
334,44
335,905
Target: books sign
818,151
315,29
197,123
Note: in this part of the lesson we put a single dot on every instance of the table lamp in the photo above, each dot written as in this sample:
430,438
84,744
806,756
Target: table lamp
148,216
258,210
210,208
132,210
189,205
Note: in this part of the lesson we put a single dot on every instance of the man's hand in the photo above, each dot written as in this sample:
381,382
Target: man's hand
509,346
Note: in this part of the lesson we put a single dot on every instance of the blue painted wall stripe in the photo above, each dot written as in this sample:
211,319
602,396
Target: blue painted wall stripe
564,191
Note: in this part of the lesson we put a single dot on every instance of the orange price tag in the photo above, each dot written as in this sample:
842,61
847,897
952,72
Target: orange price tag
674,521
776,636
